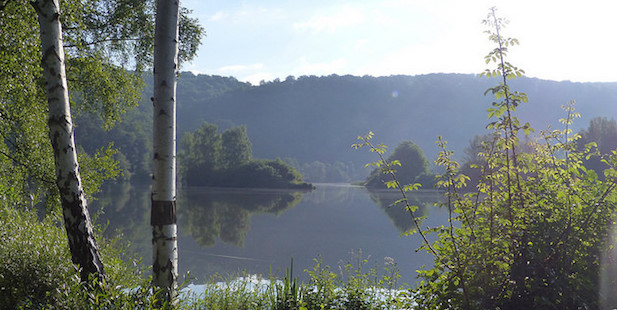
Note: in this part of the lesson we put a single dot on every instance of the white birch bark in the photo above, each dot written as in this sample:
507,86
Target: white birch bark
163,217
77,222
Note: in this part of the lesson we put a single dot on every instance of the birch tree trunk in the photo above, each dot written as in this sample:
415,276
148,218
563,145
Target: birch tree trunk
163,215
84,250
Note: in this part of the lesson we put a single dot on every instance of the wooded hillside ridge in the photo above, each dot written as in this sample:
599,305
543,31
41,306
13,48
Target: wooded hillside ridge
310,120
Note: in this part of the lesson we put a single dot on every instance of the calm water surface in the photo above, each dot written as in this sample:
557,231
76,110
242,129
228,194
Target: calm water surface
229,231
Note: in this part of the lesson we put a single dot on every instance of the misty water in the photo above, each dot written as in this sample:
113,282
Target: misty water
258,231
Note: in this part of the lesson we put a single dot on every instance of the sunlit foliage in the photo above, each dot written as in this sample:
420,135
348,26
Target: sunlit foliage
532,232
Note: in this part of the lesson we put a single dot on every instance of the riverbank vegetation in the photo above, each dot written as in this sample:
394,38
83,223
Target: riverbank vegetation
37,273
537,231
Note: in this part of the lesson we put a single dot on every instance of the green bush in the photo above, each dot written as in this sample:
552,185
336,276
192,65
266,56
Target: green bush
37,272
533,233
35,260
261,174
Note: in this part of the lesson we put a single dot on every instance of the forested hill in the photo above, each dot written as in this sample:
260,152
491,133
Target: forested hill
318,118
313,118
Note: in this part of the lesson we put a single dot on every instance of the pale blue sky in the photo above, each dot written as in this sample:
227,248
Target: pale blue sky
264,40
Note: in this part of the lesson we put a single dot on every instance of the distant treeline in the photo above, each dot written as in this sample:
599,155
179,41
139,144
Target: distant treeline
310,122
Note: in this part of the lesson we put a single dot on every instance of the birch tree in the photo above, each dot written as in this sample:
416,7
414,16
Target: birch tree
83,48
77,222
163,217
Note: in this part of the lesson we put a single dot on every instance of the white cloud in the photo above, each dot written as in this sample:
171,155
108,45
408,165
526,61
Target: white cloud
218,16
256,78
559,39
253,15
345,16
252,73
320,68
446,55
361,43
239,68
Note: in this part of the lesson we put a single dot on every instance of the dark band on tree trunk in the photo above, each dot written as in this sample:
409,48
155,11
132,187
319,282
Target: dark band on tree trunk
163,213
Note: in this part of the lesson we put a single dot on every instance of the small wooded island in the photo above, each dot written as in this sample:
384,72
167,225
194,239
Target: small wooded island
413,168
207,158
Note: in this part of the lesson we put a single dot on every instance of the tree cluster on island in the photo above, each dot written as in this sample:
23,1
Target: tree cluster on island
208,158
412,167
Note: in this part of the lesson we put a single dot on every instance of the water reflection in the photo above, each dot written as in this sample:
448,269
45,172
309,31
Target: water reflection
208,214
125,209
398,214
227,231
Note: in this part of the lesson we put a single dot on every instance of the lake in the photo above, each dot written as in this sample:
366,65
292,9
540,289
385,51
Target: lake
229,231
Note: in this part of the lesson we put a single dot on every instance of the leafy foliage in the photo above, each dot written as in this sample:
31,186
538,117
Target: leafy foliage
199,155
474,159
131,139
300,114
272,173
236,147
309,109
354,287
601,136
411,164
25,152
102,40
387,167
532,234
211,159
37,272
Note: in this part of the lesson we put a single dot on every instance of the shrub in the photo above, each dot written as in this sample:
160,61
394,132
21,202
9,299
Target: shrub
532,234
37,272
35,260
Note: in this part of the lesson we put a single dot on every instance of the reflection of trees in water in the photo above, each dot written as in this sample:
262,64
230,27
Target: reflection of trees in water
207,220
397,213
125,209
205,213
211,213
334,194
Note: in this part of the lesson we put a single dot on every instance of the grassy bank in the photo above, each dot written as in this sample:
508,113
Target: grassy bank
37,273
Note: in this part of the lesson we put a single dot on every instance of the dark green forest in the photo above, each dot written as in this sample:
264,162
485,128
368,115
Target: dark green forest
310,122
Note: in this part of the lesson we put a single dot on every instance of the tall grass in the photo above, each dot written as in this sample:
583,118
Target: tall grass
353,286
36,273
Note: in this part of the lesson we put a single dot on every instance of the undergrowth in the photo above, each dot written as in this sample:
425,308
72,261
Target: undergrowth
533,232
352,286
37,273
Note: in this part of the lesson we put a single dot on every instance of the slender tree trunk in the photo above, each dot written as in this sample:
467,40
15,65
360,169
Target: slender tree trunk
163,216
82,244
